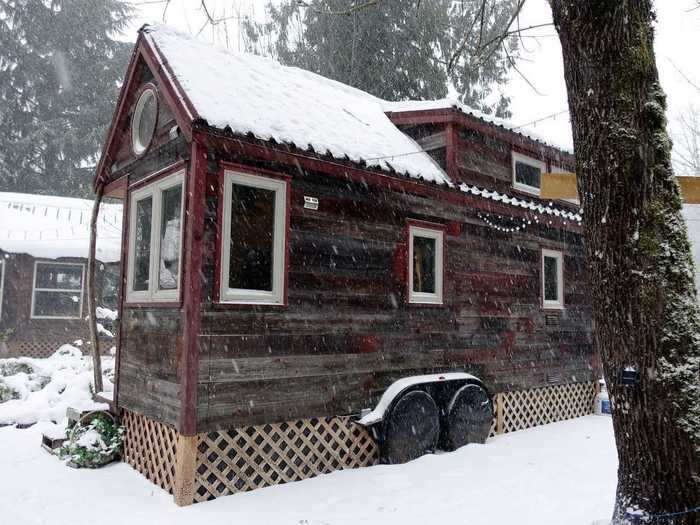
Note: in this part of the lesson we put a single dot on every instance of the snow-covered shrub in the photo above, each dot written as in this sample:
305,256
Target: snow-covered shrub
7,392
34,390
94,444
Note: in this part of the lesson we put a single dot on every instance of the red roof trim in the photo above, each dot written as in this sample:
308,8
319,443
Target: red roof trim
304,161
454,115
173,93
121,100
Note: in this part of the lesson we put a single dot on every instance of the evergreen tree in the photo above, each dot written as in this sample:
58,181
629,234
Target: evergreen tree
60,69
396,50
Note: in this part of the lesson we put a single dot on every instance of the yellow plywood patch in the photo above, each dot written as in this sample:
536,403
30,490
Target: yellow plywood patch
690,189
563,186
558,186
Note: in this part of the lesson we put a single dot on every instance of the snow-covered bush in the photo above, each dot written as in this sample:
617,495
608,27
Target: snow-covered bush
34,390
93,444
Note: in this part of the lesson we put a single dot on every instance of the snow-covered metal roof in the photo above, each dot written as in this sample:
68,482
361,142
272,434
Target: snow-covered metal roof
50,227
253,94
453,102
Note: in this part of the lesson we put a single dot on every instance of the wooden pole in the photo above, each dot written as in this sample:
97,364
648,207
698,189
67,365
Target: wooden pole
185,466
92,321
499,413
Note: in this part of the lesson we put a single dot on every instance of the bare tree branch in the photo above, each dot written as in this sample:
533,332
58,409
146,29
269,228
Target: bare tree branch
342,12
680,72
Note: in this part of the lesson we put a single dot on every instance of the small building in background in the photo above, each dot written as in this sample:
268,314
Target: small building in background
44,242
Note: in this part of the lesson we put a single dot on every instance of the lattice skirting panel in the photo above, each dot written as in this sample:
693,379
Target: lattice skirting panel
40,347
206,466
258,456
522,409
151,448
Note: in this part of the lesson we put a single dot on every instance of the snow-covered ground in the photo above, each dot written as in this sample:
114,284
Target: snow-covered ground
559,474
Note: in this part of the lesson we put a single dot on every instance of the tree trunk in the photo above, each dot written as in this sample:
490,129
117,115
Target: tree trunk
644,302
92,306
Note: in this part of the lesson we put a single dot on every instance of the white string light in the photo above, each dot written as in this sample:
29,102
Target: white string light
506,229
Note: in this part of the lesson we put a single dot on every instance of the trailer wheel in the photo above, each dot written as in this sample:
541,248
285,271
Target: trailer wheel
411,429
469,417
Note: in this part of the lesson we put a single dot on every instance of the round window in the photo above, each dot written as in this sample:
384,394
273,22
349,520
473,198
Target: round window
143,124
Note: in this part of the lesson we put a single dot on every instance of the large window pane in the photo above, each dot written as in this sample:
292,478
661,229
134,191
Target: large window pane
56,304
551,279
527,174
142,244
59,276
252,227
170,221
423,264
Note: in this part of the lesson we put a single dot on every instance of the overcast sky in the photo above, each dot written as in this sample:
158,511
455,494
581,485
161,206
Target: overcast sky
677,42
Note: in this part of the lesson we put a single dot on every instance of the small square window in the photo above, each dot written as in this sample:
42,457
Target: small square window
552,279
57,292
527,173
155,236
425,265
253,239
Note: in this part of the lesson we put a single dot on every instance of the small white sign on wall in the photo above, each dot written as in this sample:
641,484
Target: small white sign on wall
310,203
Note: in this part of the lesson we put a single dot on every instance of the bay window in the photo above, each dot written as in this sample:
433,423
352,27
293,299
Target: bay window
253,239
155,238
425,265
57,291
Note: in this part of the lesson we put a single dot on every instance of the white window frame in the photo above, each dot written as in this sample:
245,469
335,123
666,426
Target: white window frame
519,157
439,236
136,146
559,256
155,191
35,289
279,255
2,282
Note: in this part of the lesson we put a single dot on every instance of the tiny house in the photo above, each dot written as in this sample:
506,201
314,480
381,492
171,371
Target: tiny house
316,279
44,242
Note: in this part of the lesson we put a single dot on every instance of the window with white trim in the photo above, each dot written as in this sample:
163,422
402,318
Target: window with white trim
57,291
2,283
527,173
425,265
155,239
253,239
552,279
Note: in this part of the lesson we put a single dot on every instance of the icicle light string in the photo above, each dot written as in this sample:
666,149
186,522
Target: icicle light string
506,229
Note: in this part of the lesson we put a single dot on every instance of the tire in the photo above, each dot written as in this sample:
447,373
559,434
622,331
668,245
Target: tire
411,429
469,417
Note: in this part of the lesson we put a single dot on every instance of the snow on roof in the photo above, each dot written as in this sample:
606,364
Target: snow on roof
453,102
253,94
50,227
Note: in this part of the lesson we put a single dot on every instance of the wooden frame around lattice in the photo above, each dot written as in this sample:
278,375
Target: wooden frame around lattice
151,448
522,409
206,466
258,456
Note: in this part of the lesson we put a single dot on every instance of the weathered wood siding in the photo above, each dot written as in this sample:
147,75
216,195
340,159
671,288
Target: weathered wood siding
348,332
151,336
